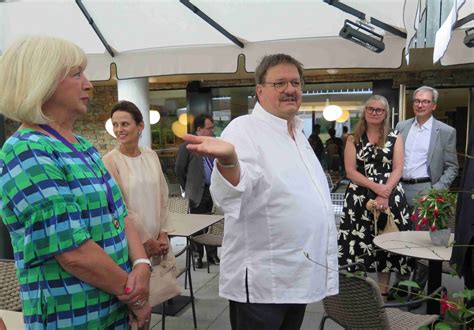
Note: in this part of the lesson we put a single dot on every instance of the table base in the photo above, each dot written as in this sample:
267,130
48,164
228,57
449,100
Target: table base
434,282
173,306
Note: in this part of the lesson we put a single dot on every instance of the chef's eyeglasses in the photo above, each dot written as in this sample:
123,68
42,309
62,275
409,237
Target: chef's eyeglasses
280,86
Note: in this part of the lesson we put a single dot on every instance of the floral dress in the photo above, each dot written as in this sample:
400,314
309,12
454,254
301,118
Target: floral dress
357,229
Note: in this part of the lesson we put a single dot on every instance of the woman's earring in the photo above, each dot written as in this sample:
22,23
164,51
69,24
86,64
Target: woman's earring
139,134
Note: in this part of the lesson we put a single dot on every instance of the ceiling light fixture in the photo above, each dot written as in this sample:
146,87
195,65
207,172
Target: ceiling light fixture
344,117
109,127
154,117
363,36
331,112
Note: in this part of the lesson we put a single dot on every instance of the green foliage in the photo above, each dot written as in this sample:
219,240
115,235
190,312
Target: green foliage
442,326
410,284
468,294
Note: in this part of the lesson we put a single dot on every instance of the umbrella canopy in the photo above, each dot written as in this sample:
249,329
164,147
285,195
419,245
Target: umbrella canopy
164,37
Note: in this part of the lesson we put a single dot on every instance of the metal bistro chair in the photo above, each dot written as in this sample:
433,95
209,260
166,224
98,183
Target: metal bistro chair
9,286
337,200
178,205
213,237
359,305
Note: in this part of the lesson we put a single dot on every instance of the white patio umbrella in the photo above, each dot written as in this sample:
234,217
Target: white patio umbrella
165,37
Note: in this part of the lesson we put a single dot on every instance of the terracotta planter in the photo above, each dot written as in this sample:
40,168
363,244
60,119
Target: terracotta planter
440,237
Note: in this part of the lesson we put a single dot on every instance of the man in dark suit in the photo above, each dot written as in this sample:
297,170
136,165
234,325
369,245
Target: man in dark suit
430,154
462,258
194,175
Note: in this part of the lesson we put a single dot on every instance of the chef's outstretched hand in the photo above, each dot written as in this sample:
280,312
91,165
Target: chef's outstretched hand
213,147
227,160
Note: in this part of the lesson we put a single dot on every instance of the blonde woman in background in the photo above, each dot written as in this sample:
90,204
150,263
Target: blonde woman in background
374,164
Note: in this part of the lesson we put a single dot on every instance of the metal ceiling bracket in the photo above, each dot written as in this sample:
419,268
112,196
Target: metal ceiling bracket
463,21
212,23
96,29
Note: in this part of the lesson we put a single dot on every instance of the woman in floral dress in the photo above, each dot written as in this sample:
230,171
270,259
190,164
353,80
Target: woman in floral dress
374,164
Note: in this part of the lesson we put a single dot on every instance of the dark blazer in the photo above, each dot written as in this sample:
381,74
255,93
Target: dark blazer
190,173
442,157
464,230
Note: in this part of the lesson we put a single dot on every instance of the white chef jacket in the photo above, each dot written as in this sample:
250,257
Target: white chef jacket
280,210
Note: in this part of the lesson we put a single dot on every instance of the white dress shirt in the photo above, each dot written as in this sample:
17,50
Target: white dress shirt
416,150
280,210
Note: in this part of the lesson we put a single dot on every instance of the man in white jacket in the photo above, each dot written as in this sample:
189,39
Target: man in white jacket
277,207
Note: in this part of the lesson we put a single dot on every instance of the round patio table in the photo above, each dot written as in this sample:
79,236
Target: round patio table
417,244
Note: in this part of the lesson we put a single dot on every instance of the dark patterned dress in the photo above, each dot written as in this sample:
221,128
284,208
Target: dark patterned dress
51,203
357,228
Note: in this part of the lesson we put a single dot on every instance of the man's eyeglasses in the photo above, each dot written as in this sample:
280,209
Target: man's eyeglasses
280,86
422,102
377,111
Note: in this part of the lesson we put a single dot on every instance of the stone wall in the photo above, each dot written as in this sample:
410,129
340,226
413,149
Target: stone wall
92,126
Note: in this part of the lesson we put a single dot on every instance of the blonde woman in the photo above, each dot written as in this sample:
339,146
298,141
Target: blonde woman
374,164
72,242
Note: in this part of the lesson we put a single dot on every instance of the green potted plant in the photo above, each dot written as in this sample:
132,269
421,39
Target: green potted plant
435,211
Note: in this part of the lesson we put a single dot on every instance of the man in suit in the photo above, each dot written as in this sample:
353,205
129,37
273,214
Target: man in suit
430,154
194,176
462,257
430,147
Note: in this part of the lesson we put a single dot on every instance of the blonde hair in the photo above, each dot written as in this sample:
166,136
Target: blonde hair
30,71
361,126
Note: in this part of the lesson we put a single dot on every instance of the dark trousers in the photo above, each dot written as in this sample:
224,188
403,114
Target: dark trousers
468,275
204,207
249,316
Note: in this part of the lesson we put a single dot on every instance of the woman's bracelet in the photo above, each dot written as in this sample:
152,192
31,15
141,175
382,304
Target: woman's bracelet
142,261
236,164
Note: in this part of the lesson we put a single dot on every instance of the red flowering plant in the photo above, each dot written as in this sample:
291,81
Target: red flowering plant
434,209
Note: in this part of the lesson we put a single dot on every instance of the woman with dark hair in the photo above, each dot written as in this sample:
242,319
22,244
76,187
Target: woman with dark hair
374,164
137,171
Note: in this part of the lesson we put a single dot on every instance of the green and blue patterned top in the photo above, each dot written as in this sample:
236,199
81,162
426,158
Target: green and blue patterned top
51,203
